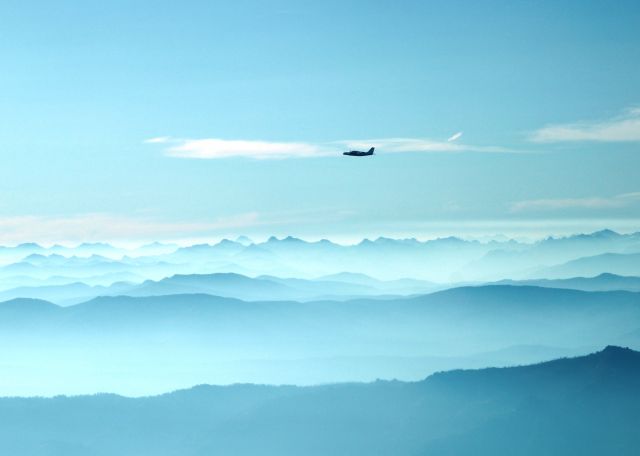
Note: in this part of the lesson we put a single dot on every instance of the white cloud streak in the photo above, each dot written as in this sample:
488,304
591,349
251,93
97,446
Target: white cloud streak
455,137
105,227
157,140
216,148
213,148
109,227
624,128
617,201
401,145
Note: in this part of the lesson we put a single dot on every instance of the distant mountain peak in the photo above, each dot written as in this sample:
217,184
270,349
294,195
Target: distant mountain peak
153,244
244,240
29,304
196,247
453,239
35,256
614,350
605,233
608,275
288,239
29,245
227,242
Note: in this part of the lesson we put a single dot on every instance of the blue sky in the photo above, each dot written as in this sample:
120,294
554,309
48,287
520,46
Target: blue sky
266,94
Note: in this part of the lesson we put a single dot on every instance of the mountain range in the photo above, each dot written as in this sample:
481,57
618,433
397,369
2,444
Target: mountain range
602,282
341,286
165,342
263,288
586,405
444,260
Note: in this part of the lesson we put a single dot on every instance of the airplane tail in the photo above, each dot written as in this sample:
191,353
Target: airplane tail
371,150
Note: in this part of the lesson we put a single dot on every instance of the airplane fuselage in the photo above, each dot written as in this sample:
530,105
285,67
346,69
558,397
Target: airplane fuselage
359,153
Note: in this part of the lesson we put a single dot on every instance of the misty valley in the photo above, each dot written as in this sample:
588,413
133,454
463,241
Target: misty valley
391,346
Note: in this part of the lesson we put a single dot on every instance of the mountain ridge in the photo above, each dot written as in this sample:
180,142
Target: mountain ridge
484,412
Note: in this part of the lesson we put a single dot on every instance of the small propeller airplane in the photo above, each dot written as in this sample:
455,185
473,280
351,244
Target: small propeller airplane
359,153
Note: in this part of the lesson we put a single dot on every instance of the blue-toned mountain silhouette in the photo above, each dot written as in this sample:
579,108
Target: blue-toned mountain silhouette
587,405
204,338
444,260
602,282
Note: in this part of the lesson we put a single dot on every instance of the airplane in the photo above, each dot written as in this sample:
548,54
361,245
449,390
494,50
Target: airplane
359,153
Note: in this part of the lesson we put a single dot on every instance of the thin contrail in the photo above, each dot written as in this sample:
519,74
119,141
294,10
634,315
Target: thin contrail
455,136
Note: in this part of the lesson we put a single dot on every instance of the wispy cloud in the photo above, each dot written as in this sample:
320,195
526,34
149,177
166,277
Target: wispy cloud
93,227
111,227
400,145
216,148
455,136
158,140
617,201
623,128
212,148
